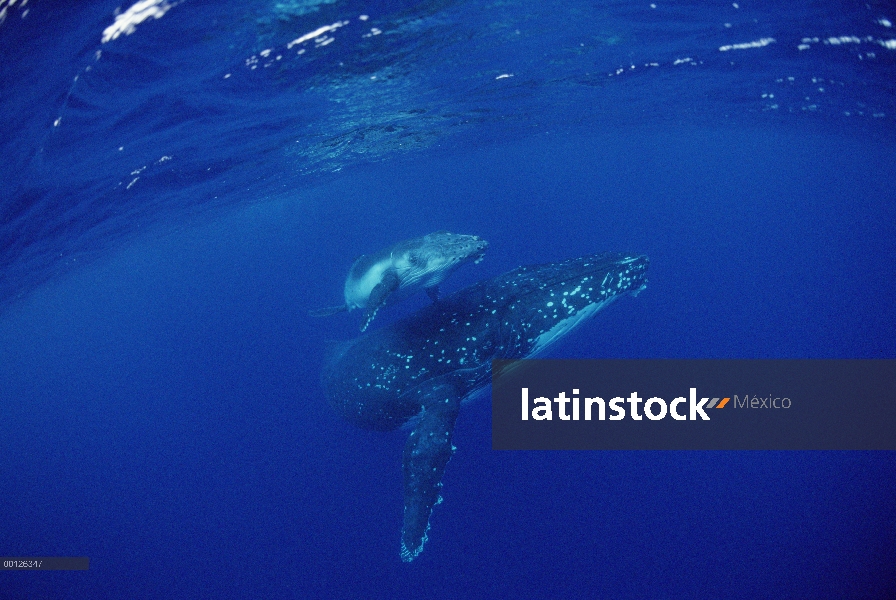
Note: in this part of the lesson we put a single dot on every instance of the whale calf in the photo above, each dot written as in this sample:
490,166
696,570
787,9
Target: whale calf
404,269
421,368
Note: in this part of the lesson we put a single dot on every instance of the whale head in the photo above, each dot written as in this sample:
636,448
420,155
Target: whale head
427,261
542,303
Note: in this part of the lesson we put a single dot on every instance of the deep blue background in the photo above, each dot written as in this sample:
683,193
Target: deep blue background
168,420
160,405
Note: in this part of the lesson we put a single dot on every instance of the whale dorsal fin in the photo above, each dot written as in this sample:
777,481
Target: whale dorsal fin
426,453
326,312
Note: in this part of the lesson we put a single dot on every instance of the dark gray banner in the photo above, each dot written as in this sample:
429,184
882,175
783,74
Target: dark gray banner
45,563
694,405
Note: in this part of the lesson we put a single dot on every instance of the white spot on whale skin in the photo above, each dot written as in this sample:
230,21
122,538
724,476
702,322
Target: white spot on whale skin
564,326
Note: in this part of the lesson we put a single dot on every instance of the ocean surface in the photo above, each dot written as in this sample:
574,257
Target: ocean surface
181,181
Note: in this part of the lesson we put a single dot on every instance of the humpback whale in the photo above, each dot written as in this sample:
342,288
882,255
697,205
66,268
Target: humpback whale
404,269
421,368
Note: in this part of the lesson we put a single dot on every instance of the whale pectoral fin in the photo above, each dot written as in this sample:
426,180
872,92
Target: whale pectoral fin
433,293
426,453
326,312
378,295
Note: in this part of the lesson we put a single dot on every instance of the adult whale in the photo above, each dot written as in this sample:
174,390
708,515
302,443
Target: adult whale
403,270
424,365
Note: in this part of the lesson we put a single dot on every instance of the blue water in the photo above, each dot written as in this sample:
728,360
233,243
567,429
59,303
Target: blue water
175,199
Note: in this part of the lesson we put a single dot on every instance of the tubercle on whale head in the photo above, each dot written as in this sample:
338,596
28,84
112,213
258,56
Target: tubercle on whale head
481,246
457,247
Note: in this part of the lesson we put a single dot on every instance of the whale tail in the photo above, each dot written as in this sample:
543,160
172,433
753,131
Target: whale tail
326,312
